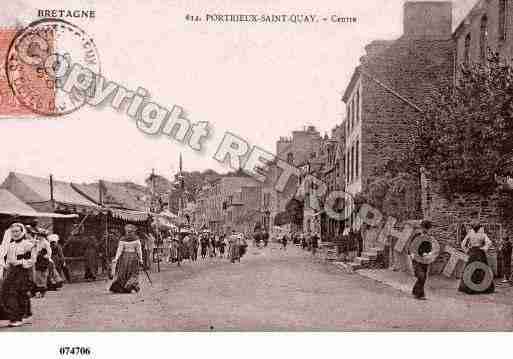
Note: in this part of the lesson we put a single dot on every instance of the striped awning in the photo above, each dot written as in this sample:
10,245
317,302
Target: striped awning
129,216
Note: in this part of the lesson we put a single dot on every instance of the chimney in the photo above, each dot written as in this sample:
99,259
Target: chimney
376,47
430,20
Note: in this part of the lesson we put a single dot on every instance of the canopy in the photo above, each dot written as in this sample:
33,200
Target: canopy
12,205
167,214
130,216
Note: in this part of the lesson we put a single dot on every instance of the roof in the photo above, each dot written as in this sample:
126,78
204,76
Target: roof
468,9
12,205
122,195
31,189
352,83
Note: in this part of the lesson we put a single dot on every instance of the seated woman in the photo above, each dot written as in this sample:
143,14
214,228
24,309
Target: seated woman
127,262
476,244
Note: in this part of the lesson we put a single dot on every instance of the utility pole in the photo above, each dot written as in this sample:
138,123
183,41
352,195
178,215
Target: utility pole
52,201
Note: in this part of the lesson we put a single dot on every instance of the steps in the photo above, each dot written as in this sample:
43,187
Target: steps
368,259
349,268
372,258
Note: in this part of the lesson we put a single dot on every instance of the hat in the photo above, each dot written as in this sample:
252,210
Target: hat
32,230
53,238
130,227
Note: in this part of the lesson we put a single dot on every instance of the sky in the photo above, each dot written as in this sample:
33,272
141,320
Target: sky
259,81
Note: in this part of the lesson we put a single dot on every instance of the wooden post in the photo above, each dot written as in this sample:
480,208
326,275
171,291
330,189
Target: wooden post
51,192
100,192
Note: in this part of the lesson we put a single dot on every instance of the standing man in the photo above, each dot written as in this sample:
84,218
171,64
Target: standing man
421,269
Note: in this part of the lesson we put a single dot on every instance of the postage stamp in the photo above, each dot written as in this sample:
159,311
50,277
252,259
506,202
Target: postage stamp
9,104
35,58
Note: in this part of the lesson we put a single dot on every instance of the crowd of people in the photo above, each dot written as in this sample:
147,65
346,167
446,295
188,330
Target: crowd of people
32,262
187,243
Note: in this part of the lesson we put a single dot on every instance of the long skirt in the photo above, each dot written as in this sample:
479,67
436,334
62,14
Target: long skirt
14,296
127,274
41,280
476,255
173,252
55,280
234,252
91,264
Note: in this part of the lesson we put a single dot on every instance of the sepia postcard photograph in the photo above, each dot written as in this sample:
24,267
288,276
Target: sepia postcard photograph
174,166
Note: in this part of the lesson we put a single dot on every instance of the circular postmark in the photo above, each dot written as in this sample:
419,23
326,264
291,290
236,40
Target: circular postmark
51,66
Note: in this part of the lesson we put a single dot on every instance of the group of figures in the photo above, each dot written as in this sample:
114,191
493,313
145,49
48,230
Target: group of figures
477,275
187,243
31,263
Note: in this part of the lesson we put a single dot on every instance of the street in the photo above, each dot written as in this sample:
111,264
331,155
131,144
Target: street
269,290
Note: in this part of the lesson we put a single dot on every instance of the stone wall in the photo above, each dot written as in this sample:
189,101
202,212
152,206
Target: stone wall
452,216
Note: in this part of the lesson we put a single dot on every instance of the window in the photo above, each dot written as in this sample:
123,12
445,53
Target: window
352,163
348,117
357,103
346,167
290,157
466,53
349,121
503,9
483,38
357,159
348,160
352,113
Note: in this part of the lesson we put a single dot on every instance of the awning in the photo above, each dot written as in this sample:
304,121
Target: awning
166,214
129,216
12,205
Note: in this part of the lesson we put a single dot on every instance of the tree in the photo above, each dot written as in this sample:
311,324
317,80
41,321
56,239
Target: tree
466,136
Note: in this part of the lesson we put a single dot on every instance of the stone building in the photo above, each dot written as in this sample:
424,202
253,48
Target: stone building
297,150
332,175
388,89
217,201
488,26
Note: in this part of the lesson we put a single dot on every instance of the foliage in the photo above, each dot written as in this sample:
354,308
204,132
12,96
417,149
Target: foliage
466,136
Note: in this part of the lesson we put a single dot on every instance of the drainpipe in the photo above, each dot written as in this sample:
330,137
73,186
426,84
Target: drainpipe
392,91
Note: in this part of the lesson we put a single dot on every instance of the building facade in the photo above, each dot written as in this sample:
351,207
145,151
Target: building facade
298,150
221,203
487,27
387,91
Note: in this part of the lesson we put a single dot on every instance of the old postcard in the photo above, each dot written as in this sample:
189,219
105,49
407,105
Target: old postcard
179,166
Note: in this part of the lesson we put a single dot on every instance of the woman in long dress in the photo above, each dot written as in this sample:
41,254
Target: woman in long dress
127,262
42,265
17,256
476,244
57,263
91,258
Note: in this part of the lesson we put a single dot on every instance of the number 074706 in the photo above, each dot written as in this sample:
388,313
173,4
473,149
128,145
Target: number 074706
74,350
